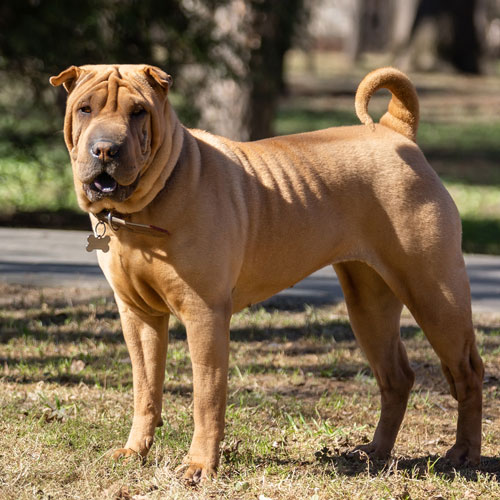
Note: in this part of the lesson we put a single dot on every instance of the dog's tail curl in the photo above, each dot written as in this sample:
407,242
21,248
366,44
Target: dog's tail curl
403,111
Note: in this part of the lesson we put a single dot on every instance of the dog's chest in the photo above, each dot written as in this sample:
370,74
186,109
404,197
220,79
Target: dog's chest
142,277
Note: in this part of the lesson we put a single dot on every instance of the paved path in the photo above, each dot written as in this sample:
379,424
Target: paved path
58,258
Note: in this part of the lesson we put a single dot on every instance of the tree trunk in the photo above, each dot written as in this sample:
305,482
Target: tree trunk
273,27
447,27
242,105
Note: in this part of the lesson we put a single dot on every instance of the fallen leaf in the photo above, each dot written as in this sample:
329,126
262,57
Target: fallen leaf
77,365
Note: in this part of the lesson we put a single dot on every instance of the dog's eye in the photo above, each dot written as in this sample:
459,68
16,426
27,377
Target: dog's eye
85,110
138,111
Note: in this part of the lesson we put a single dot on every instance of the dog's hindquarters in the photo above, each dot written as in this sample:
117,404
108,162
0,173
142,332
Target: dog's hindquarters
428,275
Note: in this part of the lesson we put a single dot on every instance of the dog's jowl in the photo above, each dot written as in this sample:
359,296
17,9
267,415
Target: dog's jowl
241,221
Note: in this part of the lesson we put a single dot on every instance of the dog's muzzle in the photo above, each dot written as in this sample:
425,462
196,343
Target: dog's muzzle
105,186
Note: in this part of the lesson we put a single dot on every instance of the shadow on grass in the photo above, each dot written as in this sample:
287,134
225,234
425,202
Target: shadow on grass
11,329
98,369
69,379
418,468
350,465
50,368
35,326
334,331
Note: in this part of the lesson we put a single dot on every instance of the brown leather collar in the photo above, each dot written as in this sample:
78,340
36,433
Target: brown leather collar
117,221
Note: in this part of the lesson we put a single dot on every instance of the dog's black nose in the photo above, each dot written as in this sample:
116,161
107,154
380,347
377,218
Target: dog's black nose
104,150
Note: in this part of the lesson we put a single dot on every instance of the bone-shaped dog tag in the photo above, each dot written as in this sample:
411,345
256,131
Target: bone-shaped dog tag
98,243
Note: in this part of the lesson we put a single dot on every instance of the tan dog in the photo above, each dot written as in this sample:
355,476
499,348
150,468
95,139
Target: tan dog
246,220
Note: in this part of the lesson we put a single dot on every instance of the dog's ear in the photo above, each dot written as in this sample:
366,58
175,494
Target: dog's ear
159,77
67,78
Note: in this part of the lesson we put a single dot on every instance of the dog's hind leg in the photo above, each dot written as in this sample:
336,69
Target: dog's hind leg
437,293
375,312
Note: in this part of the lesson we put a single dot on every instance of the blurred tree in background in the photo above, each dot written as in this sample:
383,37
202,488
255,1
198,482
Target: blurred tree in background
273,27
188,38
226,56
39,38
426,35
238,98
457,28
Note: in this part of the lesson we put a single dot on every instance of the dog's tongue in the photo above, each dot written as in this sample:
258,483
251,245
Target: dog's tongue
105,183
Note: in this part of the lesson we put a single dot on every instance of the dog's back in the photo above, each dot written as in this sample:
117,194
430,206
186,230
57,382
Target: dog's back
344,188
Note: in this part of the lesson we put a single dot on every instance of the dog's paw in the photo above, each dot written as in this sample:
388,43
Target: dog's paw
371,450
463,456
133,448
195,473
124,453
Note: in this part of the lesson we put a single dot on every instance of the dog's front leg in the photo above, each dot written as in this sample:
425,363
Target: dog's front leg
208,338
147,340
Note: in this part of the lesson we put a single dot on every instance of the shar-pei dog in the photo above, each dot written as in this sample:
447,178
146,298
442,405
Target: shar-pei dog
201,226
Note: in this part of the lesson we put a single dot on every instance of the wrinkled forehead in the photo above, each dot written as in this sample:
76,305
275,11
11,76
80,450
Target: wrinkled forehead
126,71
116,82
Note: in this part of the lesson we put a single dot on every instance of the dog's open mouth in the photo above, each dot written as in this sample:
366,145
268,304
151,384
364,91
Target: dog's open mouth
104,184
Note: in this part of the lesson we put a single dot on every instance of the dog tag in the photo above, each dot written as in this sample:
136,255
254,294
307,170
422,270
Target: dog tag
98,243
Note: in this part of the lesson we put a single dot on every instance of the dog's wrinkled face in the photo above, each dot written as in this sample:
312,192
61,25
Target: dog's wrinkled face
112,128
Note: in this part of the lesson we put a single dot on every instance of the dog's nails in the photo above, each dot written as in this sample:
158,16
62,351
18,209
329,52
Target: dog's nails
181,468
197,476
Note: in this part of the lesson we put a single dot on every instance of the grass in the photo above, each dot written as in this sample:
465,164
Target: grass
35,173
301,395
41,183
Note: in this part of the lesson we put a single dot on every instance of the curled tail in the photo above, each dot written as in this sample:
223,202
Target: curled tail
403,112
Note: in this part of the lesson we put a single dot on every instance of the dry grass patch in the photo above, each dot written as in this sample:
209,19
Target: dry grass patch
301,395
